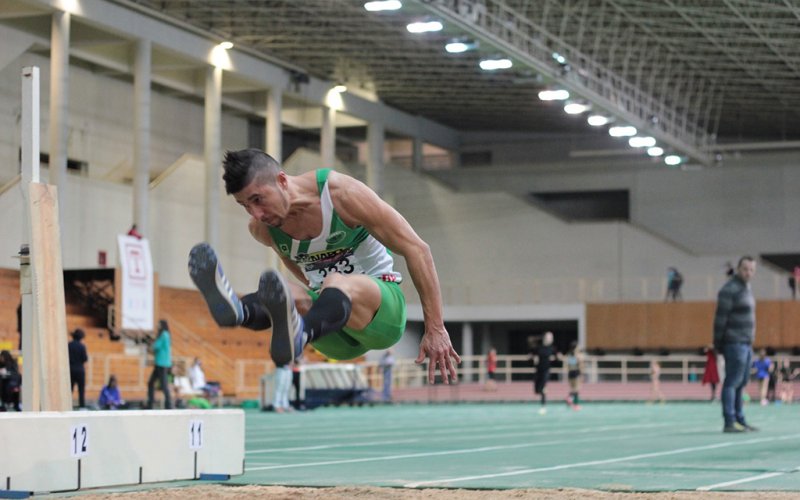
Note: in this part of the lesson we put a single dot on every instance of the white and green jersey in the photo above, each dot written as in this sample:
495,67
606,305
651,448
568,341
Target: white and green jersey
338,248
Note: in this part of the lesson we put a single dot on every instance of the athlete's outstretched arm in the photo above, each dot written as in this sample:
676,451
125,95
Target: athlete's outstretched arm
358,205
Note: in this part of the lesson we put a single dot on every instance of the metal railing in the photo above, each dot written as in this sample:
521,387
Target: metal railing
683,368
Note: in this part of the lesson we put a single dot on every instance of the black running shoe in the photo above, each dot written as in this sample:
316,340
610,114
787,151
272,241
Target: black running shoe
207,275
288,338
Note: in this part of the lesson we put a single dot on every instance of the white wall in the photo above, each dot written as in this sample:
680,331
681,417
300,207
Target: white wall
494,248
747,205
101,121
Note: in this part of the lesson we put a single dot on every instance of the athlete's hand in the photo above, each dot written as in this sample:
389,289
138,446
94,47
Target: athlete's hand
436,346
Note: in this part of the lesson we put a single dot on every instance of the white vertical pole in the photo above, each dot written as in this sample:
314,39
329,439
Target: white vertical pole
30,173
328,137
274,140
59,99
466,348
213,154
141,134
375,156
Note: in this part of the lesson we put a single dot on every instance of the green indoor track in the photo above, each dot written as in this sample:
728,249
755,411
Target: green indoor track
615,446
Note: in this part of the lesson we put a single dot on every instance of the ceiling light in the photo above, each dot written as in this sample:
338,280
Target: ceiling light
642,142
424,27
655,151
622,131
554,95
226,45
340,88
378,6
575,108
458,46
494,64
597,120
559,58
673,160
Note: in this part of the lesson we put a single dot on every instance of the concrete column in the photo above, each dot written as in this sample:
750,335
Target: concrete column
141,135
213,154
59,100
375,165
327,146
417,157
274,139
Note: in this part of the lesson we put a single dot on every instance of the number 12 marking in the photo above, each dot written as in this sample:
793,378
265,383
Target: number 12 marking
79,445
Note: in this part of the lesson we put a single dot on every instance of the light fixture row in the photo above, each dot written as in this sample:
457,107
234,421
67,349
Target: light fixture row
573,107
599,120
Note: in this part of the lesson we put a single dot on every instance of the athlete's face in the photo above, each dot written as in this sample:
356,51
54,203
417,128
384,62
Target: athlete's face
265,201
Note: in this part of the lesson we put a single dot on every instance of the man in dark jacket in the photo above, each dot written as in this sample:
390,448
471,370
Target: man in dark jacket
734,332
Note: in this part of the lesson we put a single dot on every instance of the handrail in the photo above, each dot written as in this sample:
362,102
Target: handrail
10,184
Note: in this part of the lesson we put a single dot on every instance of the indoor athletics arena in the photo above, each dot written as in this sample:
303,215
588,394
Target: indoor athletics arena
400,249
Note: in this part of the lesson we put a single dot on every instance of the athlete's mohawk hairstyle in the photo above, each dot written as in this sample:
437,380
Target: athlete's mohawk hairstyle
242,166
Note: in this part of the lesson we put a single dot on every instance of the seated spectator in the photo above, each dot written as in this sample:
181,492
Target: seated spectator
199,402
198,378
10,382
182,386
110,398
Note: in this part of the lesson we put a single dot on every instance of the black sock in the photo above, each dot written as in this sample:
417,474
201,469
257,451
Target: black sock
543,399
329,313
256,316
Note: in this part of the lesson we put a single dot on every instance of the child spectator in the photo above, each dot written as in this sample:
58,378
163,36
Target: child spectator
761,368
110,398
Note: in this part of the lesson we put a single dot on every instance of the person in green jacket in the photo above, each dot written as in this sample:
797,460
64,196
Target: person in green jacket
162,352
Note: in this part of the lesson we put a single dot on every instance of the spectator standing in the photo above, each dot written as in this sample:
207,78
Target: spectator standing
296,374
110,398
283,382
711,373
133,231
674,283
77,359
491,368
574,360
162,362
542,357
787,377
655,382
734,333
761,369
387,363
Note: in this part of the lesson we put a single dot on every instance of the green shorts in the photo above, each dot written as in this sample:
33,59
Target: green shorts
384,330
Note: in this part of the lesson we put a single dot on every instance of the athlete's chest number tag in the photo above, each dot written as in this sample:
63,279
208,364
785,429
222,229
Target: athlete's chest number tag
343,266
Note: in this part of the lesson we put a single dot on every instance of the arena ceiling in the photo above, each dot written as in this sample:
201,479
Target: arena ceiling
727,69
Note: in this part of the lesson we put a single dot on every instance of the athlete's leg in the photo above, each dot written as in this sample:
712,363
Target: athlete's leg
344,302
363,293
